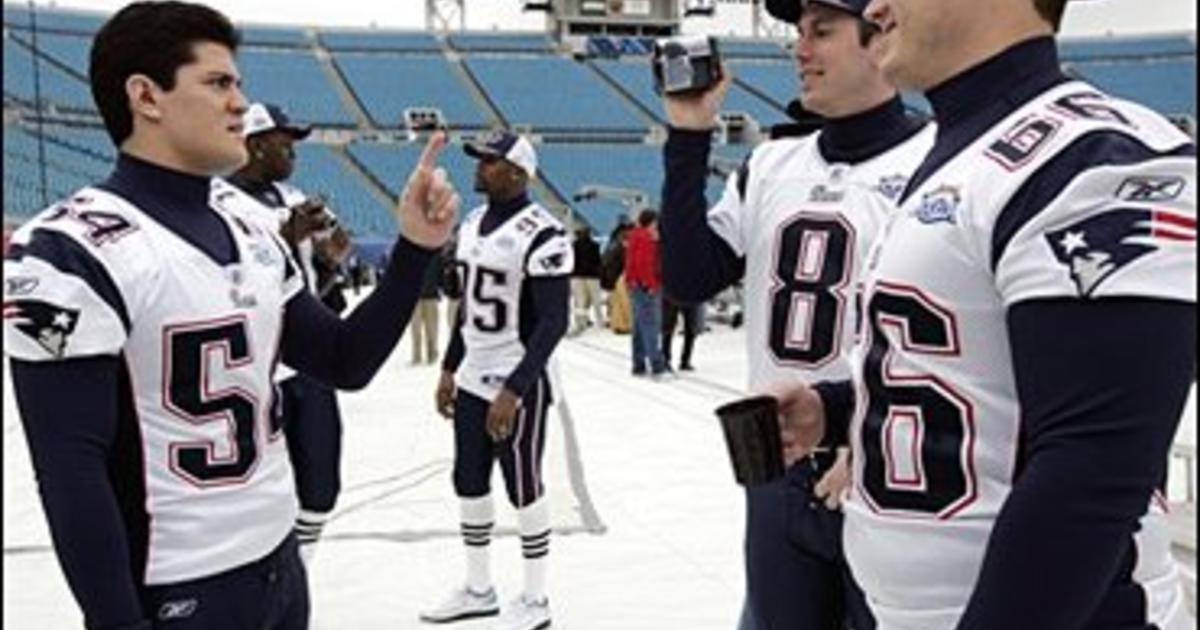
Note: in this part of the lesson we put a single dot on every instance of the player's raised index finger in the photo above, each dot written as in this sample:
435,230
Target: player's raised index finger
429,154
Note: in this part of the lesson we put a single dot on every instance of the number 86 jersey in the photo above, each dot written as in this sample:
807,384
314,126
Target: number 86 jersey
937,440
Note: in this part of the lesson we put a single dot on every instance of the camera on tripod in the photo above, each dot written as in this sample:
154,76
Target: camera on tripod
685,64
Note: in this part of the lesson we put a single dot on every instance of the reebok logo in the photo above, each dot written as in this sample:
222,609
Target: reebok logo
179,609
1148,188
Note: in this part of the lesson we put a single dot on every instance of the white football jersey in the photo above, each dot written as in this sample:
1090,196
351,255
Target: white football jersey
804,226
936,444
199,340
273,217
494,267
277,215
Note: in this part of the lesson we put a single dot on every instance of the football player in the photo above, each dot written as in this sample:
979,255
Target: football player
1029,342
312,419
794,226
144,317
515,259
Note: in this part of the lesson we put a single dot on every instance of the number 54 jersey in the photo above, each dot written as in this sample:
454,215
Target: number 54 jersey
197,459
936,442
803,226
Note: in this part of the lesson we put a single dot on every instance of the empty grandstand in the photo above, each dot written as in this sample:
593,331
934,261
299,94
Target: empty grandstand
587,101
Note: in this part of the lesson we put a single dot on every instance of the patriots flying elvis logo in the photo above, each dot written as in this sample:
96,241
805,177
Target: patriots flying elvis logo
47,324
1096,247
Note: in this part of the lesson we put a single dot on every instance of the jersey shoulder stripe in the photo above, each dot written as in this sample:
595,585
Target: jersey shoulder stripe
1094,150
543,216
549,251
71,276
70,258
1075,194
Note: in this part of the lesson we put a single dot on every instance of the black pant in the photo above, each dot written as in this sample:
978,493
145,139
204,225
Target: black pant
312,422
268,594
796,574
691,328
520,454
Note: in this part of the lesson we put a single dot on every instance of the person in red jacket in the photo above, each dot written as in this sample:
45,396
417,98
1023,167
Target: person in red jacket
643,275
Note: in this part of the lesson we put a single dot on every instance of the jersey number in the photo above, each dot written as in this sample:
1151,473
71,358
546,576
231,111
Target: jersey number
482,288
814,260
918,433
190,395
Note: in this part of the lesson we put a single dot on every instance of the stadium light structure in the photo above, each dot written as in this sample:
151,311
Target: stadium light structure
699,8
632,199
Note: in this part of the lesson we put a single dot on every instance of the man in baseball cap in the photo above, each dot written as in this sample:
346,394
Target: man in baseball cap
789,10
263,117
841,173
312,416
508,146
270,136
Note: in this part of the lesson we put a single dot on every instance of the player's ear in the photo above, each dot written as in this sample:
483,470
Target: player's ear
144,95
872,42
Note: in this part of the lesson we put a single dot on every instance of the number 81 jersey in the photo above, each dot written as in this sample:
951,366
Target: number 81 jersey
495,316
197,460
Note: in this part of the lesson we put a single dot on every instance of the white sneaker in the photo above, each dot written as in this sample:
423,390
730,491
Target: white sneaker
462,604
663,376
525,614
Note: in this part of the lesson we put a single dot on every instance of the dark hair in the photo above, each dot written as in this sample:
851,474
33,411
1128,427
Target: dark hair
867,30
647,217
1051,11
150,38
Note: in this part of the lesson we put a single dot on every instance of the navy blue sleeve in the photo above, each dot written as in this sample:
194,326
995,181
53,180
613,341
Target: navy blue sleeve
70,441
1102,385
455,350
550,297
346,353
837,397
696,262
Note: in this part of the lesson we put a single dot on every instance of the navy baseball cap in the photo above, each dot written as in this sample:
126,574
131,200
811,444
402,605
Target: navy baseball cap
506,145
261,117
790,10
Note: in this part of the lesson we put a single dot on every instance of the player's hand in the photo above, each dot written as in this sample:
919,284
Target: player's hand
336,248
835,482
801,418
501,414
698,112
305,219
428,206
444,397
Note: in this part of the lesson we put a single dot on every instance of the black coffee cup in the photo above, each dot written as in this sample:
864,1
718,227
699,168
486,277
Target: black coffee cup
751,427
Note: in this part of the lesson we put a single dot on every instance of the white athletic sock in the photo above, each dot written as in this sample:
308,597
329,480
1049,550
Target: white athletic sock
534,522
309,525
478,516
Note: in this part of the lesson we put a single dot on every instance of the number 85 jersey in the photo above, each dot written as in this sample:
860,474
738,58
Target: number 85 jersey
197,460
496,315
